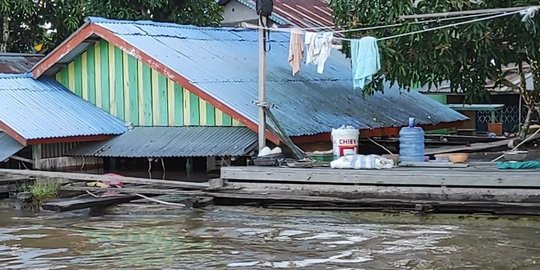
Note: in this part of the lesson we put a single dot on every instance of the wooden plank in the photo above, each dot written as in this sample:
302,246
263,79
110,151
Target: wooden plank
134,190
104,79
403,171
78,76
71,77
84,75
171,103
95,177
112,79
432,165
194,109
385,177
133,89
63,205
119,84
178,105
97,79
186,106
210,114
396,192
91,75
473,147
155,99
145,93
163,100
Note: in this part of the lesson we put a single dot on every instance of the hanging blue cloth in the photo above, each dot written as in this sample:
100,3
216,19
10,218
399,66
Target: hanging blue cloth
365,60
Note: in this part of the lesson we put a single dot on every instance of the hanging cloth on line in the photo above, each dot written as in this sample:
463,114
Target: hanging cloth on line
296,50
366,61
319,46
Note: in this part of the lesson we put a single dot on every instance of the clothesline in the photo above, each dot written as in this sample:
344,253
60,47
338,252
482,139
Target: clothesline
364,51
380,26
399,24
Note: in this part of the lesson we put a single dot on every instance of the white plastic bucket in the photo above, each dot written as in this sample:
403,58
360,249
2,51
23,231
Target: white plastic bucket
345,141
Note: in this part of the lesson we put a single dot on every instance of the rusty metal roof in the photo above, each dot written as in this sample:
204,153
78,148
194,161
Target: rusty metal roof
144,142
18,63
300,13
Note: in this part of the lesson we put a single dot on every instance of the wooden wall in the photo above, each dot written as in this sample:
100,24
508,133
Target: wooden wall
132,91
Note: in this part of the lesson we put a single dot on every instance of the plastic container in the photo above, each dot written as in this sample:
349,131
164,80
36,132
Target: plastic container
345,141
411,143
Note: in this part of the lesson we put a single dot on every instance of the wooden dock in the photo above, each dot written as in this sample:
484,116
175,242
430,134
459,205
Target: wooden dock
477,175
480,187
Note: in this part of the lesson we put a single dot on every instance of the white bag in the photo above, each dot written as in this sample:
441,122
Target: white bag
362,162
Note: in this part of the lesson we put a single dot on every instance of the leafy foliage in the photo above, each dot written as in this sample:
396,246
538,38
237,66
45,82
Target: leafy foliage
27,18
465,55
42,190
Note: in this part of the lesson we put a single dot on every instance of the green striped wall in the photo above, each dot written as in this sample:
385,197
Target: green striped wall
132,91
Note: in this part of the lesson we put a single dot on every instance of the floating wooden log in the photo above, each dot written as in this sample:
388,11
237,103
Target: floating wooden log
97,177
63,205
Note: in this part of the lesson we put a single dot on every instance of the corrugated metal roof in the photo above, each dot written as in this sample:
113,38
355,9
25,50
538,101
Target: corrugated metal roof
8,146
18,63
142,142
43,108
223,63
300,13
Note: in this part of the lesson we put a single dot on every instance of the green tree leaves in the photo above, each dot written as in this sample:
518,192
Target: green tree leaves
463,54
27,18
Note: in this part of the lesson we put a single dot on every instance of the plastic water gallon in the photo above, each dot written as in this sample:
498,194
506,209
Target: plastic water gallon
345,141
411,143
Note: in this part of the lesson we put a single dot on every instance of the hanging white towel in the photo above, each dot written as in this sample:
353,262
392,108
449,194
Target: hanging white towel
365,61
319,46
296,51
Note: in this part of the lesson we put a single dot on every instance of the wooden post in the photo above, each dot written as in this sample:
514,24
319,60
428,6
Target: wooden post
189,166
262,84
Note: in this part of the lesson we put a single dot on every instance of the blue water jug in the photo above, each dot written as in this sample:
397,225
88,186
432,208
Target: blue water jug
411,143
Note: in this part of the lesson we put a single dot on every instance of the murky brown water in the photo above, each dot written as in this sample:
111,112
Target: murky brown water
250,238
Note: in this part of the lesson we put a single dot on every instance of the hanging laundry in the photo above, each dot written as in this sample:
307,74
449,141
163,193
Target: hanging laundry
296,50
365,61
319,46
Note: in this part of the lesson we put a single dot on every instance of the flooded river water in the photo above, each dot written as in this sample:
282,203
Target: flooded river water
252,238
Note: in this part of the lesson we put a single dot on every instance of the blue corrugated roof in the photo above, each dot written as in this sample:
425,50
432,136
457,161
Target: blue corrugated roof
8,146
142,142
223,63
37,109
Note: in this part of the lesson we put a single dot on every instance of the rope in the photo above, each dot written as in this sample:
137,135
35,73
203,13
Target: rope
401,24
449,25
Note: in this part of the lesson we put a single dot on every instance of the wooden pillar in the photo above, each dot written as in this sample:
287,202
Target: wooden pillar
189,166
211,164
36,155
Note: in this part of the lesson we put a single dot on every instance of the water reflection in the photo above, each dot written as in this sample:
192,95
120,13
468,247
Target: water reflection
250,238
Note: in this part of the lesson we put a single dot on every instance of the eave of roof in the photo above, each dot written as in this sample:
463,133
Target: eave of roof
154,142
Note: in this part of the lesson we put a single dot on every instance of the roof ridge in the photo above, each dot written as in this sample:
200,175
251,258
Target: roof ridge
97,20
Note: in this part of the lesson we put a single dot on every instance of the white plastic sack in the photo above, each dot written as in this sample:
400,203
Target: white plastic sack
362,162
